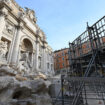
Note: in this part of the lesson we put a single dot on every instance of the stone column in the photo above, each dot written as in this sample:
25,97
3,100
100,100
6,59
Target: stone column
52,64
3,14
52,55
36,56
11,47
14,57
42,69
33,60
19,52
43,60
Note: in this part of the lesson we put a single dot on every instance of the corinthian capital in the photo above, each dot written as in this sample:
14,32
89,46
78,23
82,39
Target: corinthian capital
20,26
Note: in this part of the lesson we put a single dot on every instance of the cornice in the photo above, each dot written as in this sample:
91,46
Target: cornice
3,4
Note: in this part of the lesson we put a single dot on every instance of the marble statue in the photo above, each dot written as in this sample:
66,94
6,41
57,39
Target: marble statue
21,13
31,14
3,49
24,63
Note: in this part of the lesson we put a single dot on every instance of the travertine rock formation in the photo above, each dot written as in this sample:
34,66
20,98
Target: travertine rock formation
18,90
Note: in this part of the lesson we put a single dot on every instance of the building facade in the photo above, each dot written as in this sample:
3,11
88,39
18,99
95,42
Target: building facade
22,43
61,62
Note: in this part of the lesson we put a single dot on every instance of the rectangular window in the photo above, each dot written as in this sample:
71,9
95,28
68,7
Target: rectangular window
48,65
51,59
39,59
51,66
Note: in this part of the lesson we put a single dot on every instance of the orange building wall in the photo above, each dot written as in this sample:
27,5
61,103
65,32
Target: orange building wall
61,59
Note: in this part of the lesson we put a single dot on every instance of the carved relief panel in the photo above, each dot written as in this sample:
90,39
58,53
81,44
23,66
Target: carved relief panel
9,29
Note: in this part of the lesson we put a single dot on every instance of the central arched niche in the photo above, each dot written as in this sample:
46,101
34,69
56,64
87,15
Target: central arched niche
27,45
26,54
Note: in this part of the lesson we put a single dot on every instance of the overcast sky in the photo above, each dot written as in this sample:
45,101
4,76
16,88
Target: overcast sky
64,20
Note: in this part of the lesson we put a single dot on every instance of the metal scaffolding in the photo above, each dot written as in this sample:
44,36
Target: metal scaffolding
85,80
